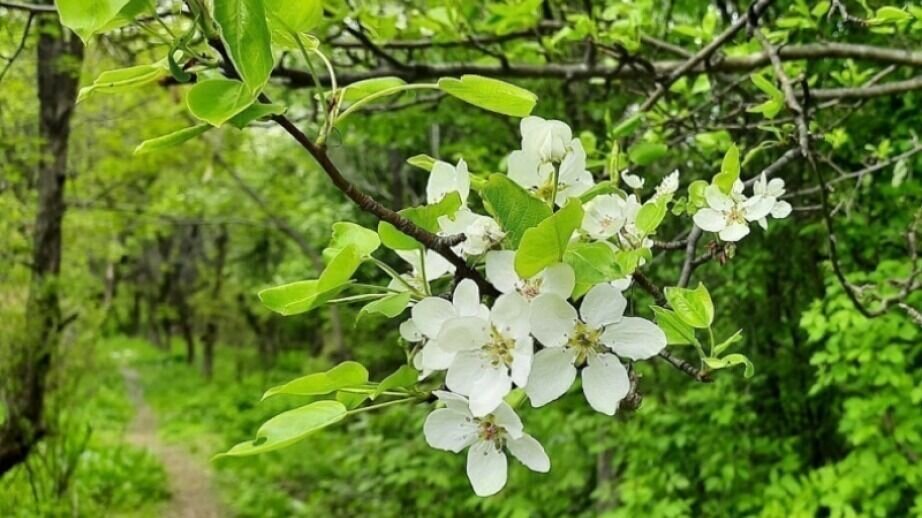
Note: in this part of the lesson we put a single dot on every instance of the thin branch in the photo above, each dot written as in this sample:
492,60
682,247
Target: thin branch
866,92
31,8
688,265
19,48
686,367
859,173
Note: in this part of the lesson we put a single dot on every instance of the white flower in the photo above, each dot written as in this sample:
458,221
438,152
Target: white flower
481,232
436,267
546,139
632,180
431,313
446,178
558,278
604,216
772,189
490,353
668,186
623,283
588,340
454,428
729,215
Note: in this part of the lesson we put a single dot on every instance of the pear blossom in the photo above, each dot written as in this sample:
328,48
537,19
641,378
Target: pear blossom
604,216
772,189
546,139
446,178
481,232
433,266
544,144
668,186
430,314
729,215
455,428
558,278
593,339
632,180
490,353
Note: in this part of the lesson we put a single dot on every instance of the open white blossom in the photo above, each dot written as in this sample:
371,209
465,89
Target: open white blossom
446,178
544,144
604,216
490,353
588,340
773,189
481,232
668,186
558,278
431,313
632,180
455,428
435,267
729,215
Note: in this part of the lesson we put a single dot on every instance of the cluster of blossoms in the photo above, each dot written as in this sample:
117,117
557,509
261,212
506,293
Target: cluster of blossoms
533,336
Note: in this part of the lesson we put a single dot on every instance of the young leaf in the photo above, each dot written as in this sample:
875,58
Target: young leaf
677,331
245,34
87,18
295,16
729,170
390,306
172,139
303,296
364,240
346,374
694,307
545,244
215,101
122,79
723,346
426,217
490,94
424,162
361,89
593,263
729,361
645,153
514,208
290,427
627,127
650,215
253,112
403,377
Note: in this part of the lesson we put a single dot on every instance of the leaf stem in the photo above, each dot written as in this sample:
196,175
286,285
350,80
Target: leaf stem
382,405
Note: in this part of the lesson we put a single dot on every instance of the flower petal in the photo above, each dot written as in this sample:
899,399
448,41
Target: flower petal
734,232
501,270
605,382
552,374
510,315
465,371
521,360
430,313
710,220
782,209
530,453
442,180
506,417
466,298
758,207
552,319
447,429
435,358
634,338
716,199
603,304
464,334
491,387
409,331
523,169
486,468
558,279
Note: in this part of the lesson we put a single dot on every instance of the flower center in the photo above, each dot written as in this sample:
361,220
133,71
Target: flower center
584,341
530,288
489,431
736,215
499,349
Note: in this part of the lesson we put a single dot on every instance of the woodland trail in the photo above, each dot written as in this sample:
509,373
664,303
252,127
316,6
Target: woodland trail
191,489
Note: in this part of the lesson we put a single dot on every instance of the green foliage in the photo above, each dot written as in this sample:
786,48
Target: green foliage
290,427
490,94
171,139
88,18
344,375
694,307
245,33
216,101
729,170
545,244
426,217
513,207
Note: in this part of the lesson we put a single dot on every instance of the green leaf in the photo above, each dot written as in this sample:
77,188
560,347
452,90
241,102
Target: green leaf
627,127
404,377
723,346
86,18
545,244
346,374
255,111
352,400
216,101
361,89
766,86
424,162
426,217
603,187
629,260
295,15
729,170
245,34
593,263
490,94
303,296
694,307
514,208
651,214
290,427
364,240
645,153
696,191
122,79
888,13
390,305
677,331
729,361
172,139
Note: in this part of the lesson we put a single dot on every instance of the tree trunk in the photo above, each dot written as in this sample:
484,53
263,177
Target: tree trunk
59,55
211,329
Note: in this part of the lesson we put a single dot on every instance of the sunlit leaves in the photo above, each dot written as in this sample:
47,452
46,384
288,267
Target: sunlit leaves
592,263
694,307
88,17
290,427
731,360
645,153
344,375
678,332
345,233
361,89
255,111
513,207
389,305
775,102
403,377
490,94
302,296
651,214
172,139
216,101
729,170
245,34
546,243
122,79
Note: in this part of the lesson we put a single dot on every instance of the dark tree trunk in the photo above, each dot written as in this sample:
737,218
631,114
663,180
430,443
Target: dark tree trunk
211,329
59,55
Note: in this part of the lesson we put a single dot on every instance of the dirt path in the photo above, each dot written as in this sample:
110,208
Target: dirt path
192,493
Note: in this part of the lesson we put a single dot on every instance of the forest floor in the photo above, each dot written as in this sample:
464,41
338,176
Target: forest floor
190,481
